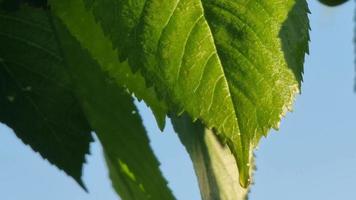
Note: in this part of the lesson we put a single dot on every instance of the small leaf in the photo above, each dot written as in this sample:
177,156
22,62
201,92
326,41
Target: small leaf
36,97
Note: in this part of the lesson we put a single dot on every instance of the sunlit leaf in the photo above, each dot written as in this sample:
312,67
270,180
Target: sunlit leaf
83,26
134,170
235,65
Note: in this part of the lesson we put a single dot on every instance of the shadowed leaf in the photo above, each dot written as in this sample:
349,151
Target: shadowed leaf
36,97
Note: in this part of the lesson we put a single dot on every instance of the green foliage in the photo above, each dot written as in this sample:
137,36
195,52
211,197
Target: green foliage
224,71
82,25
133,167
235,65
40,101
36,96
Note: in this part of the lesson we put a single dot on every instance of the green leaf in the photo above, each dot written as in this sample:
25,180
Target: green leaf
36,97
81,23
235,65
213,162
38,102
134,170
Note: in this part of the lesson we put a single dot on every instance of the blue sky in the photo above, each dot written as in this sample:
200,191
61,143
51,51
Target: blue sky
312,156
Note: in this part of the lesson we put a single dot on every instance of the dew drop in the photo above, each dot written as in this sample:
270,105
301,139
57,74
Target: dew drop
133,112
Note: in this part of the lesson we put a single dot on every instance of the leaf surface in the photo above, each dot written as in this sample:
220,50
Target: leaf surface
39,101
134,170
235,65
81,23
36,97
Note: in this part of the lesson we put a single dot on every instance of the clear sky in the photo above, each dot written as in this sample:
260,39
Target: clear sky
311,157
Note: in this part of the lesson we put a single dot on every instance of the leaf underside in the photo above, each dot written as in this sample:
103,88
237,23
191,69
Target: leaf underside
43,72
36,99
235,65
134,170
81,23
